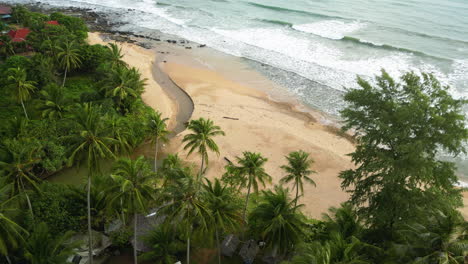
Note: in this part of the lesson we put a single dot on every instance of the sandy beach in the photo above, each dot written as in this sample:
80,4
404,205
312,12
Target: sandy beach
255,122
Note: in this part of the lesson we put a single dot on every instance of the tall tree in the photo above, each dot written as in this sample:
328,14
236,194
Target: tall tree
53,102
134,179
115,56
225,212
277,221
22,156
400,129
123,84
158,132
298,171
186,208
22,88
11,234
252,172
91,143
201,139
68,57
44,247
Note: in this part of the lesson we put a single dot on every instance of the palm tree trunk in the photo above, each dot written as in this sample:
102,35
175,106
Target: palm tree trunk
135,260
8,259
64,76
246,202
188,249
24,109
297,194
219,245
90,238
201,168
27,199
156,155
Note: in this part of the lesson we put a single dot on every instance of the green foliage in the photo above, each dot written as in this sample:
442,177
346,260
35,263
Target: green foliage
59,208
277,221
165,245
92,56
400,128
121,238
45,247
298,171
76,25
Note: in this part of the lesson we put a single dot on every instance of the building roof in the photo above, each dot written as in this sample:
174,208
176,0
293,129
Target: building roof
19,35
5,10
53,22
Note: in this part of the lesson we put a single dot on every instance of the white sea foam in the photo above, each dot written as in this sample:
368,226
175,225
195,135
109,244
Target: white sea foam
332,29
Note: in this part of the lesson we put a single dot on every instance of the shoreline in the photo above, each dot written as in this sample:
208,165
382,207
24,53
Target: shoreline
263,125
275,128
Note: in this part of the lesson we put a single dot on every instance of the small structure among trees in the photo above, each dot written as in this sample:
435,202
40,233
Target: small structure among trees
19,35
249,251
5,12
229,245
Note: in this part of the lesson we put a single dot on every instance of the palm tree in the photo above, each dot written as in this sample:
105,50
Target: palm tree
252,171
91,144
187,208
277,221
170,169
53,103
133,178
11,234
7,48
298,171
164,245
158,131
18,169
122,83
120,130
22,88
201,139
68,57
443,239
116,56
224,211
43,247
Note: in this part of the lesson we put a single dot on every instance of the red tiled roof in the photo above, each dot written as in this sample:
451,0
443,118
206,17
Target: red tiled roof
53,22
19,35
5,10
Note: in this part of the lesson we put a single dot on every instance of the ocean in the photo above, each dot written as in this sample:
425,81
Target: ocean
323,44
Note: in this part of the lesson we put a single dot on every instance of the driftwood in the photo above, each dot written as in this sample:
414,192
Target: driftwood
228,160
232,118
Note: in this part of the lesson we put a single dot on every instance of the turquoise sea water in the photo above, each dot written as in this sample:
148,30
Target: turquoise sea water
326,42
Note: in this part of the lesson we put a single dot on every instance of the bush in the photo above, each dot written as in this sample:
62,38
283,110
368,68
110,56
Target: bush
121,237
92,56
57,206
76,25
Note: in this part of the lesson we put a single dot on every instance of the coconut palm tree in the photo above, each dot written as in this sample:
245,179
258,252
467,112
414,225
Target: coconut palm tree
11,234
121,131
442,239
158,132
22,88
170,169
224,211
134,179
68,57
277,221
91,144
116,56
44,247
298,171
201,139
53,102
186,208
251,170
7,48
18,168
122,84
164,245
